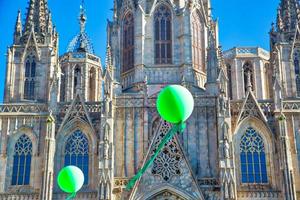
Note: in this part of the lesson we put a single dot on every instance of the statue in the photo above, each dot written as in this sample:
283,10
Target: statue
226,148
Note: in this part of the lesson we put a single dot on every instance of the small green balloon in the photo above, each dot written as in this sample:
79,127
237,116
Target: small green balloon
175,104
70,179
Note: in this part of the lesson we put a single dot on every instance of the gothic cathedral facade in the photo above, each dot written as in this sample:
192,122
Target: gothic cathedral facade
241,142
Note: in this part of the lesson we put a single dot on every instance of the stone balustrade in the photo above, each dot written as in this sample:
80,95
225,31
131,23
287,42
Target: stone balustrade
11,196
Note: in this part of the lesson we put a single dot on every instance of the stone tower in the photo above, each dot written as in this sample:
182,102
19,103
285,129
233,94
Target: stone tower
26,118
242,140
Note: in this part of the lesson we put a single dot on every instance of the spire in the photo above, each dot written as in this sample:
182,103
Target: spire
82,17
37,16
288,15
212,66
18,28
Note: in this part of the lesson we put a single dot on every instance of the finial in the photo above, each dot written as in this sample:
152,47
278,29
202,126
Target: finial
249,84
82,17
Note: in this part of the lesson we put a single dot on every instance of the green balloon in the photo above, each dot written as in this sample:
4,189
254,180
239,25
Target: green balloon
70,179
175,104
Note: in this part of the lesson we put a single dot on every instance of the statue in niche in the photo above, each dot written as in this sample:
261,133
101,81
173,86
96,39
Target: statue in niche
106,142
226,148
222,102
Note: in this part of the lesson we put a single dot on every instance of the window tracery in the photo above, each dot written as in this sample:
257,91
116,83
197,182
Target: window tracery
253,158
163,35
29,80
128,42
197,43
77,153
22,161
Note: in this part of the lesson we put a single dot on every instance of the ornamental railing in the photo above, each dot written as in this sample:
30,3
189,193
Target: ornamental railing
34,196
23,109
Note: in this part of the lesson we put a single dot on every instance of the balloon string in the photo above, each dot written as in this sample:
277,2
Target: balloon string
176,128
72,196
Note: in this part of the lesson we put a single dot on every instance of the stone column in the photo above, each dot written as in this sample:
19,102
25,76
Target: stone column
288,184
48,162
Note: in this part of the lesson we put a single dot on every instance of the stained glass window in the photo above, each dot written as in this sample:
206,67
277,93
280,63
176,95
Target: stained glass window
77,153
163,35
29,80
128,42
198,42
22,161
253,158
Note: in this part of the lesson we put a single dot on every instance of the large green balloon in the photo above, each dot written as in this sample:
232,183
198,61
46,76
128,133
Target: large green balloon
175,104
70,179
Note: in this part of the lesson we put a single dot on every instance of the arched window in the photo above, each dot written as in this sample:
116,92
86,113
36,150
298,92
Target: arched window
248,68
197,43
297,72
228,68
77,79
253,158
92,83
29,80
128,42
77,153
63,85
163,35
22,161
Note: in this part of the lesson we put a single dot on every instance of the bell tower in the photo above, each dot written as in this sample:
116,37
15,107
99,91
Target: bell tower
32,59
161,41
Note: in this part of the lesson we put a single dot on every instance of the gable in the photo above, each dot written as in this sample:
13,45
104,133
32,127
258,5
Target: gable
251,108
169,170
77,111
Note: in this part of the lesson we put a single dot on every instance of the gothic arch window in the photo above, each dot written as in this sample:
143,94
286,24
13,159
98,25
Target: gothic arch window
63,85
248,68
92,81
29,80
198,42
253,158
77,153
163,35
297,72
228,68
77,78
22,161
128,42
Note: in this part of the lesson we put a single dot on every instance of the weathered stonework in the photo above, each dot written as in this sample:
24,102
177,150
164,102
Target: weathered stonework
238,89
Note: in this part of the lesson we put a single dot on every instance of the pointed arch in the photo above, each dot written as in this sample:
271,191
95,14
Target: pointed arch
30,77
21,150
254,151
198,44
22,161
253,157
76,153
173,192
84,134
163,34
128,42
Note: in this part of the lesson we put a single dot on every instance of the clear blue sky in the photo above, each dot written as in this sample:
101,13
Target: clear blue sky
242,23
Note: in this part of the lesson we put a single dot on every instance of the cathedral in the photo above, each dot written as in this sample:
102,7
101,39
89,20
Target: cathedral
242,141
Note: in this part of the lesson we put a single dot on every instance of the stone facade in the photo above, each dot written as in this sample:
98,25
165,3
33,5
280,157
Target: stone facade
245,98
